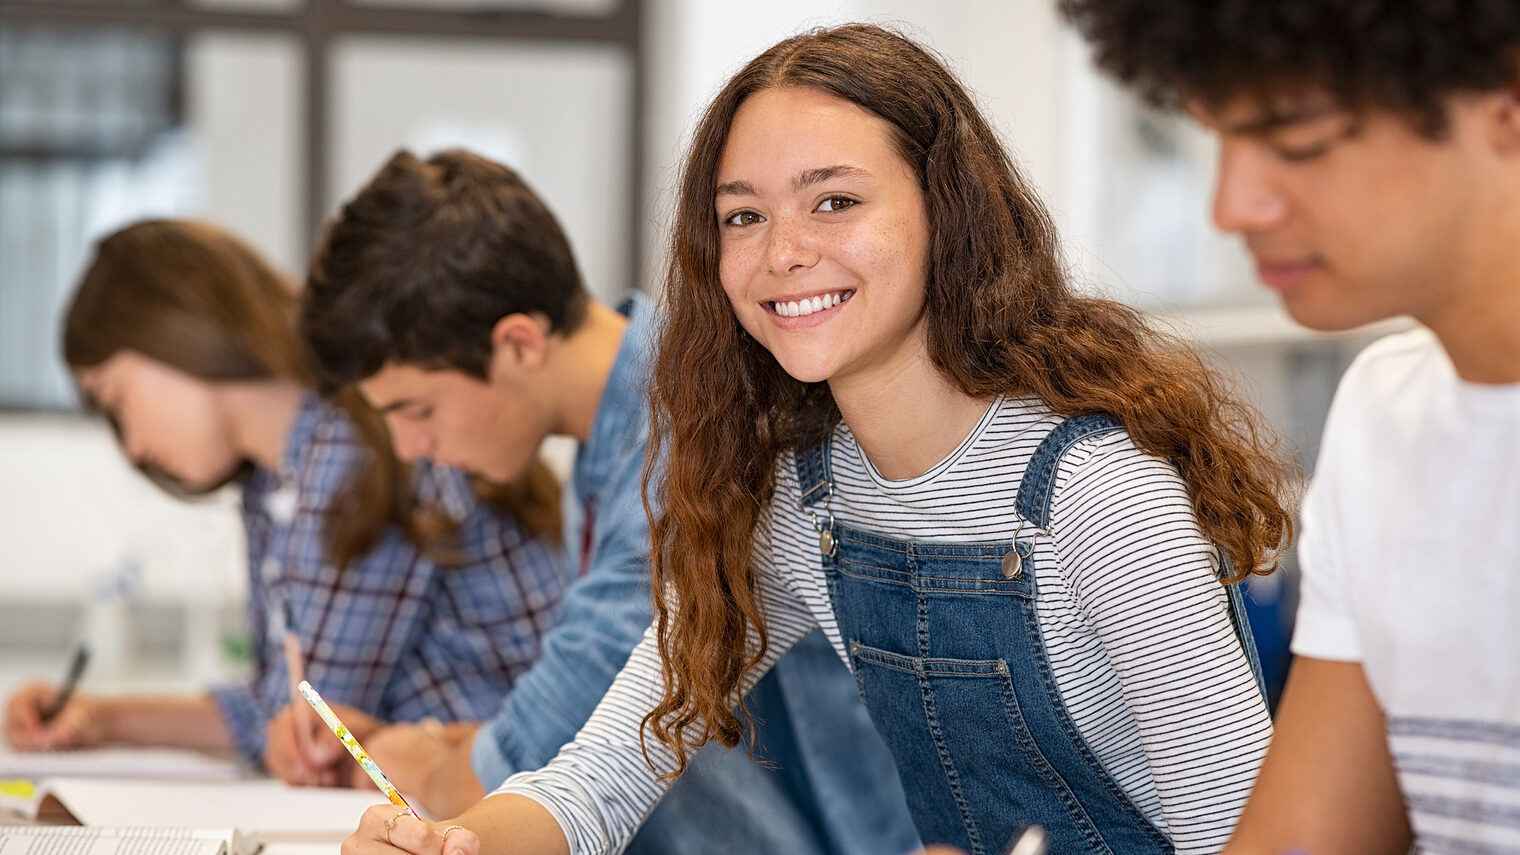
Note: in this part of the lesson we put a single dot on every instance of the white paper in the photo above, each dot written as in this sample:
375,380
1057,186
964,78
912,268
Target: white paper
76,840
174,764
264,810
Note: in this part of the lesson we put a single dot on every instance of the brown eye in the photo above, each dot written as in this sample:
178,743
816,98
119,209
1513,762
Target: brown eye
744,218
834,204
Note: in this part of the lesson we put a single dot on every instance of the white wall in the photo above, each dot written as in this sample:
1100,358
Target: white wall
247,139
87,543
428,95
74,512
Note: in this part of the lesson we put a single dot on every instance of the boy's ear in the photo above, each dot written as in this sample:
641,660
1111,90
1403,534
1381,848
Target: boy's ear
1507,112
519,344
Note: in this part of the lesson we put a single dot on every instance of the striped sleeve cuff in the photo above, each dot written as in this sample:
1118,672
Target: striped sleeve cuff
570,807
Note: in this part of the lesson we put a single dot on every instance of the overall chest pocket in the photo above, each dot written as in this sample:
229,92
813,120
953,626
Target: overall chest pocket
933,601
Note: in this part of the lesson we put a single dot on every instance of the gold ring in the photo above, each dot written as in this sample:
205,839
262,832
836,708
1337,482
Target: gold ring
391,823
447,830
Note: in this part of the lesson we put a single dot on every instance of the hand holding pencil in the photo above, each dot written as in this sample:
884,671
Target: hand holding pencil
383,830
70,683
293,751
295,671
353,746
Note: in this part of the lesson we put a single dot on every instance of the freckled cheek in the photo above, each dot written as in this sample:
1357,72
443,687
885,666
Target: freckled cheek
746,310
735,269
879,255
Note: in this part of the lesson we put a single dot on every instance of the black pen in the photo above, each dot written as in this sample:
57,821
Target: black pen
76,670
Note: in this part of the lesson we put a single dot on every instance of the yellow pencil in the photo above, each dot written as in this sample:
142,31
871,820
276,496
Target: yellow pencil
353,747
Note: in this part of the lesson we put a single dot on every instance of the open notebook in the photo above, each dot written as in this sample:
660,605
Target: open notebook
88,840
263,810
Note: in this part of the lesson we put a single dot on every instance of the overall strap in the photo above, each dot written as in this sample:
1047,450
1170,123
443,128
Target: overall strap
814,476
1242,621
1033,502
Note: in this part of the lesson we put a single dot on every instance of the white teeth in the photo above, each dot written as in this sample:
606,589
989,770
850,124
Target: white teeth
798,308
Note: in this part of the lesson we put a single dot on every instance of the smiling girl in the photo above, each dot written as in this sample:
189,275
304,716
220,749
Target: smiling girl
887,414
411,597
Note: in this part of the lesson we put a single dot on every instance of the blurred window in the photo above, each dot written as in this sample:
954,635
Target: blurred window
262,114
87,123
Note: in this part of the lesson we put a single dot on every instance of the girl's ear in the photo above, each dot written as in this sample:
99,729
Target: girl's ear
519,346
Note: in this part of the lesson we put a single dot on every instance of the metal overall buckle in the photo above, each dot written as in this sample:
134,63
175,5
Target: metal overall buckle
828,545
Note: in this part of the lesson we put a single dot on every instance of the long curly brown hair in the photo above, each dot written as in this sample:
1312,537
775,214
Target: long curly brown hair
1002,319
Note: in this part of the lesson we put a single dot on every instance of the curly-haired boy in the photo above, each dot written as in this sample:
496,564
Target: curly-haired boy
1370,159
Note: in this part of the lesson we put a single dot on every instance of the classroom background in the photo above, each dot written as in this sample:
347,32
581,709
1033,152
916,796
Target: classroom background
262,115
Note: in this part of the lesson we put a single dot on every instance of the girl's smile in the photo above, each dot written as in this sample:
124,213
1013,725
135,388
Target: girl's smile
806,306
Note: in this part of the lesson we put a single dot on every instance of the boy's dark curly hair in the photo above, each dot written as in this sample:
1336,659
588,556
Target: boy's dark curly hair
1407,56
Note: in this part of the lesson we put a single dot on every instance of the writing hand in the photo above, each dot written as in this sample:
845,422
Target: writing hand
385,830
324,763
79,724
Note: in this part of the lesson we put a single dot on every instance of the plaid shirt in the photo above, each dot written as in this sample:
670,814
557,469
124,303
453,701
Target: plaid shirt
394,634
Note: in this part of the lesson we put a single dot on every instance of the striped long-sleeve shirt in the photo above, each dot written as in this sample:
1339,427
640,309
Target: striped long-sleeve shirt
1136,626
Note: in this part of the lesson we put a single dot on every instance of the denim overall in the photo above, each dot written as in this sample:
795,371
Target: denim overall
947,654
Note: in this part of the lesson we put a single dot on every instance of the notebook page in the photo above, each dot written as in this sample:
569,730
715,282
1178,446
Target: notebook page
78,840
262,809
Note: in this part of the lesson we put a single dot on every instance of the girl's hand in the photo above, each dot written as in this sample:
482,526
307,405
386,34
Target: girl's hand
387,829
80,724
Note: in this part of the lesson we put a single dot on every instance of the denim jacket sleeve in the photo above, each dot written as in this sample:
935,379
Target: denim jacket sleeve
602,618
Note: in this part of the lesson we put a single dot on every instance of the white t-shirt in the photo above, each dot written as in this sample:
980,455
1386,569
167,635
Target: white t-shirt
1411,566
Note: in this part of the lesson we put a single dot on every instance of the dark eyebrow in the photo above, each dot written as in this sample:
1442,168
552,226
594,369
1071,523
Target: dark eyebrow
393,406
1273,120
810,177
804,179
735,188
